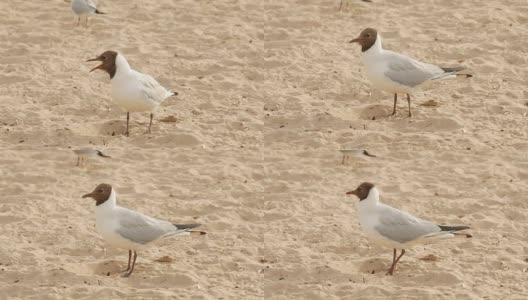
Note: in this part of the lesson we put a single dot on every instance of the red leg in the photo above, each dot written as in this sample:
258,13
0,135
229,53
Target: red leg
133,264
395,261
395,101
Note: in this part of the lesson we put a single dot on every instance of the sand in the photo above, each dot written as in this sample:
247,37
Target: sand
268,92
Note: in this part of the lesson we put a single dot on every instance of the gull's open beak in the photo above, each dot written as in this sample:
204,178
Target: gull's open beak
351,193
87,195
95,59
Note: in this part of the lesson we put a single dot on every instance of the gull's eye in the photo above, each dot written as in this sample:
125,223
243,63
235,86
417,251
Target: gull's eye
368,35
103,57
100,191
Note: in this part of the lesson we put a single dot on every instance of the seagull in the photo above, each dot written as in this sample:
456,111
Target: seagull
132,90
397,73
347,152
394,228
127,229
84,8
83,153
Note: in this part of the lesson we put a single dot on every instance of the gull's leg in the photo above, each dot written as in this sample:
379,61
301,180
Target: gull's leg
409,102
129,260
132,267
340,5
343,161
395,101
86,21
78,161
128,119
78,21
391,269
150,124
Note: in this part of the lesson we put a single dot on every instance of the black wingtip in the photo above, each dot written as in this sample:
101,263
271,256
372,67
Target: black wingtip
453,70
452,228
174,94
99,12
186,226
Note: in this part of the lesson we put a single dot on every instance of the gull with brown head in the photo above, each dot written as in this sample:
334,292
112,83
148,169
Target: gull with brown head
391,227
131,230
131,90
396,73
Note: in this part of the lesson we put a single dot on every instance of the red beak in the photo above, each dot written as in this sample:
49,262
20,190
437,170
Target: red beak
95,59
357,40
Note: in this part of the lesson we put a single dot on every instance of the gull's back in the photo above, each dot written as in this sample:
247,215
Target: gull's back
400,227
408,72
139,228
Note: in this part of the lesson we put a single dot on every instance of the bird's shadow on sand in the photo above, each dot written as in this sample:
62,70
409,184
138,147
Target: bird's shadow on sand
375,266
112,128
107,268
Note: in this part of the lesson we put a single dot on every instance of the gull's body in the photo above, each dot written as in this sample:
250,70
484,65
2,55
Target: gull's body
84,8
82,154
347,152
391,227
127,229
396,73
132,90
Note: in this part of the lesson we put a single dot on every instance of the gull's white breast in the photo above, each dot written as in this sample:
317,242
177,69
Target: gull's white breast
128,92
106,223
376,65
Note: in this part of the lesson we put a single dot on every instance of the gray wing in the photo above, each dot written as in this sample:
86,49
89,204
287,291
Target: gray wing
402,227
151,89
140,228
409,72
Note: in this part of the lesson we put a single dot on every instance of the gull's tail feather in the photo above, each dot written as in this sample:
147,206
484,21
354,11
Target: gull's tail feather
464,75
185,229
99,12
451,73
197,232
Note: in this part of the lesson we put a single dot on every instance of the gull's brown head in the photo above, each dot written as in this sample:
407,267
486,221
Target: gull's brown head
362,191
100,194
366,38
108,62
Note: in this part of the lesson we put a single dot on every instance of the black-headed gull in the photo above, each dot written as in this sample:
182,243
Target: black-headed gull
394,228
132,90
394,72
84,8
128,229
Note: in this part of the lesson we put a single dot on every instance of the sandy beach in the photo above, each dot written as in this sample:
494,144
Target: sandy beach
268,93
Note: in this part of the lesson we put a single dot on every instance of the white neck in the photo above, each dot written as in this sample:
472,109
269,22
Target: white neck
122,66
375,49
108,205
371,200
